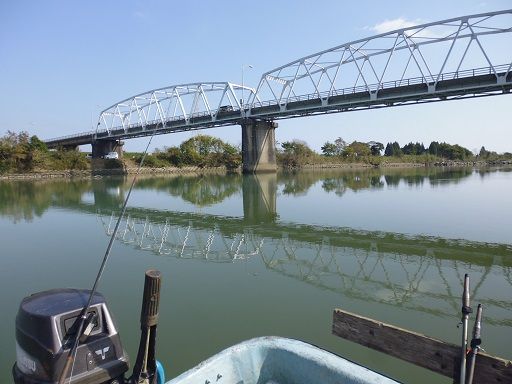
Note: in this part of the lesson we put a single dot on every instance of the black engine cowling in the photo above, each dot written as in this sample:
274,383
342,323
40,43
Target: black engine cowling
45,328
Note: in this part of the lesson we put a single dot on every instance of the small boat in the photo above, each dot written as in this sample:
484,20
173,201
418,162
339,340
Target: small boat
276,360
49,323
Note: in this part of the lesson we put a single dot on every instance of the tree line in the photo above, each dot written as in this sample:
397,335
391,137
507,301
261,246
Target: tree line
443,150
20,153
200,151
296,153
373,148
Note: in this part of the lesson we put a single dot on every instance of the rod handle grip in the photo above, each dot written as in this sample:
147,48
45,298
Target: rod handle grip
465,295
150,299
478,322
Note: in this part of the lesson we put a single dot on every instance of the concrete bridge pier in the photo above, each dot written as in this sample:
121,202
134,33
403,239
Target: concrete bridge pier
258,146
102,147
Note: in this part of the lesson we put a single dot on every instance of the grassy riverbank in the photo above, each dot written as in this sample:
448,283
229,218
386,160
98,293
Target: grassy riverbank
128,166
24,156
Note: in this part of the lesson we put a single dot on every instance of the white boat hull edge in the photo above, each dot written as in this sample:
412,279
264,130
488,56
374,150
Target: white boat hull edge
276,360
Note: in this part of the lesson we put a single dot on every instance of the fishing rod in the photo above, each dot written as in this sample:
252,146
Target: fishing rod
466,310
475,343
85,321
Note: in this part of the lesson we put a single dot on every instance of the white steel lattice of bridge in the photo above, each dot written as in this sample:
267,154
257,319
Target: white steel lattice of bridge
463,57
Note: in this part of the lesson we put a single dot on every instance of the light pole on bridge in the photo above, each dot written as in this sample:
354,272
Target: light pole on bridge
242,101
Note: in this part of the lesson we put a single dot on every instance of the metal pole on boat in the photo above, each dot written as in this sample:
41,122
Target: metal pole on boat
475,343
466,310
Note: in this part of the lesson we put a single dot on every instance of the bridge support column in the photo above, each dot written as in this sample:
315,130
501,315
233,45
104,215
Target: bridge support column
258,146
102,147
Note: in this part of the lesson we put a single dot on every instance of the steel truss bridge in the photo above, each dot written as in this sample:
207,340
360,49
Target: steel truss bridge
463,57
385,268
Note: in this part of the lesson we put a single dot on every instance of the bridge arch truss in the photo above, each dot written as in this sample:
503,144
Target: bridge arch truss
173,107
432,58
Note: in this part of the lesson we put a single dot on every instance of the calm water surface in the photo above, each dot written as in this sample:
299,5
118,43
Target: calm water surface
270,255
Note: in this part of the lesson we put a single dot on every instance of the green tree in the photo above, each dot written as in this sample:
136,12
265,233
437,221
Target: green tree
375,148
72,159
393,149
208,151
297,147
413,149
295,153
340,146
201,151
334,149
37,145
484,154
433,148
453,152
328,149
231,156
357,150
173,156
16,153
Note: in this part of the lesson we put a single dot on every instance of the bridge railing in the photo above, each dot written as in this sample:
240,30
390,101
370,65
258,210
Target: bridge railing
390,84
168,120
69,137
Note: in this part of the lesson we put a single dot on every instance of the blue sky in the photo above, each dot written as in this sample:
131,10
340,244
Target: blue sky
61,62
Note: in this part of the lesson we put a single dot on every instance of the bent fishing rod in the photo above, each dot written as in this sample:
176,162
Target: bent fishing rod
86,321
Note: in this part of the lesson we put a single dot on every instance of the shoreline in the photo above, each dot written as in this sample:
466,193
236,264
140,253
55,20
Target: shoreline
93,173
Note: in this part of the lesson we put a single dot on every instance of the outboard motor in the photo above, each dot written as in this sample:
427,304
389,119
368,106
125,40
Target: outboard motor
46,329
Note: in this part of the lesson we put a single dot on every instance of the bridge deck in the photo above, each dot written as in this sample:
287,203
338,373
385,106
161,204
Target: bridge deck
472,83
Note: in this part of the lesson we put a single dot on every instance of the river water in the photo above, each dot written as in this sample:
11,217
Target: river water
249,256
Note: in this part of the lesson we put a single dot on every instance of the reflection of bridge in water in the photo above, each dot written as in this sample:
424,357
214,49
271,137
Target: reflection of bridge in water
418,273
411,272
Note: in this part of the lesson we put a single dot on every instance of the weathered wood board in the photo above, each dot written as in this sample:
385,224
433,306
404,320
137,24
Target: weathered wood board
418,349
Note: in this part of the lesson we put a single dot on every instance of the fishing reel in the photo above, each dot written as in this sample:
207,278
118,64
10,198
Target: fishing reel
49,324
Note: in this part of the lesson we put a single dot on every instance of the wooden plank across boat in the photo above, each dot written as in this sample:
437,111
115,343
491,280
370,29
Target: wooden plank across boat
427,352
